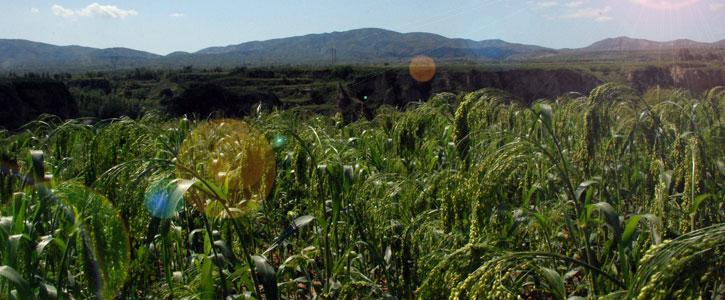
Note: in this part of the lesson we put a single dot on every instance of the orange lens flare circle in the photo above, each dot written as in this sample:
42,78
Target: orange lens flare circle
422,68
237,165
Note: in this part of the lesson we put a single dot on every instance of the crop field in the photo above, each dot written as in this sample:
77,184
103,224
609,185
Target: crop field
614,195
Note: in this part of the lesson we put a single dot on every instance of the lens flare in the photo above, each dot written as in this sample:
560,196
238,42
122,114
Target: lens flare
279,142
237,165
422,68
164,199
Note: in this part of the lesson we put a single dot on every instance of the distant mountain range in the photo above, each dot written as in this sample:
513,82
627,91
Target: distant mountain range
27,55
367,45
630,44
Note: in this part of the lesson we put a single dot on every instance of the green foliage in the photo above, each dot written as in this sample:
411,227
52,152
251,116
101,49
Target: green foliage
99,105
489,199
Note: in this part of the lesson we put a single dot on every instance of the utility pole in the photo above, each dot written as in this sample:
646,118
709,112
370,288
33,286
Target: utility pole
333,55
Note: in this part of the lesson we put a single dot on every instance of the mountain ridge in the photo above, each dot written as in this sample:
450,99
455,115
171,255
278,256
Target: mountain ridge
623,43
364,45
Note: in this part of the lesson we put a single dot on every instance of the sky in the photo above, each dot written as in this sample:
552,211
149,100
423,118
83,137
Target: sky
164,26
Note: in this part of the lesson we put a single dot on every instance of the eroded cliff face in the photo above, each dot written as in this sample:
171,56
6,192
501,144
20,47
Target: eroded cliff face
205,99
694,78
23,100
398,88
697,79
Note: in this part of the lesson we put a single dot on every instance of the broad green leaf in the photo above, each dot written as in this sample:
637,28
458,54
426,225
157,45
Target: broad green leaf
207,280
298,223
303,221
611,217
44,241
267,276
545,112
555,282
629,230
631,227
6,224
582,188
36,157
48,291
696,204
20,283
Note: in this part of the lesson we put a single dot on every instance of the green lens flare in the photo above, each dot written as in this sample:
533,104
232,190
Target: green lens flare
102,240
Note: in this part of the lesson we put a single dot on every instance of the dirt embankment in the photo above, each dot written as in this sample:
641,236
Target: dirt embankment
694,78
398,88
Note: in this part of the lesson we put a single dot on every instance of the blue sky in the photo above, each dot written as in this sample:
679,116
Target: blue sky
163,26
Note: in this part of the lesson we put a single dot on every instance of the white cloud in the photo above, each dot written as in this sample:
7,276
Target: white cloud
717,6
62,11
545,4
574,9
596,14
34,10
574,4
540,5
666,4
94,10
177,15
108,11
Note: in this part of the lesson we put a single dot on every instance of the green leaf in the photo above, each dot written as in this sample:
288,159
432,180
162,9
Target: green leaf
211,189
20,283
615,296
48,291
267,276
555,282
181,186
654,223
629,230
696,204
298,223
303,221
611,217
207,280
36,156
6,224
631,227
44,241
582,188
545,113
